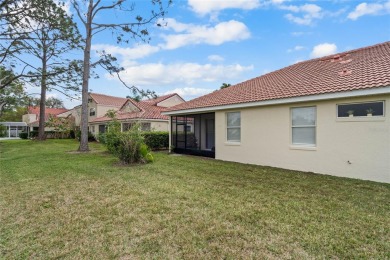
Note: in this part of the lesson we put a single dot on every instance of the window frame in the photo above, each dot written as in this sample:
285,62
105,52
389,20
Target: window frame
358,103
232,127
146,126
92,110
303,145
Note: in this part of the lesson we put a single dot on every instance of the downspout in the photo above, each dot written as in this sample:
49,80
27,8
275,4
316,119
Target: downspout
170,134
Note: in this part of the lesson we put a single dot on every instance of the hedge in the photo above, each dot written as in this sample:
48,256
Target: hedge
51,134
23,135
156,140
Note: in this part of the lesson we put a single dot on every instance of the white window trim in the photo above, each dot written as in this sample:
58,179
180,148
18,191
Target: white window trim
232,142
309,147
94,111
361,118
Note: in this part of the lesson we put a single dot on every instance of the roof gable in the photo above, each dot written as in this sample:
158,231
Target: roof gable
130,106
106,100
360,69
159,101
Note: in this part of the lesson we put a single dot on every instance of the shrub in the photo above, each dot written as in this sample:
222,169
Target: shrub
72,134
101,138
23,135
128,146
91,137
156,140
3,131
33,134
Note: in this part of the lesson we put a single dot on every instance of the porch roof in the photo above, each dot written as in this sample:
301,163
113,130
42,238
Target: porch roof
13,123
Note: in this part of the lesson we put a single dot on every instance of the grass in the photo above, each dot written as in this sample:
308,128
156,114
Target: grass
59,204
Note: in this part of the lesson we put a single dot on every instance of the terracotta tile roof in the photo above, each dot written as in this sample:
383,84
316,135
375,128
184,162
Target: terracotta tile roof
148,111
358,69
107,100
48,112
155,101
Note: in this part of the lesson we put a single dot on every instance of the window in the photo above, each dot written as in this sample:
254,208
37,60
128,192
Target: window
361,109
233,126
126,126
92,111
145,126
303,122
102,129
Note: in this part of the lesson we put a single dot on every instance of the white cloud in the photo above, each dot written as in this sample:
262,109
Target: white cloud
189,92
194,34
215,58
203,7
323,49
65,5
309,12
369,9
137,52
296,48
158,74
278,1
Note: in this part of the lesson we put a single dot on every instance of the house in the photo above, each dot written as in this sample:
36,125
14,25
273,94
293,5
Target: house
32,116
146,112
328,115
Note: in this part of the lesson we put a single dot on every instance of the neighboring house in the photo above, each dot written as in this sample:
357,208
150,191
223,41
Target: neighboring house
98,105
329,115
145,112
32,116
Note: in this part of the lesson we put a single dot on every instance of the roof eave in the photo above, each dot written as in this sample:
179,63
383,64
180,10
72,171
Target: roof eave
318,97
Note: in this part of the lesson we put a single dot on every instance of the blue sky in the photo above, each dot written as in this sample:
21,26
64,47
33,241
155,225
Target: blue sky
207,43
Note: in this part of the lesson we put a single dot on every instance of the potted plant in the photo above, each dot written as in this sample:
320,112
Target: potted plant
350,113
370,111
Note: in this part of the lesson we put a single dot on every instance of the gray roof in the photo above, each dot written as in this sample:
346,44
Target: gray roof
13,123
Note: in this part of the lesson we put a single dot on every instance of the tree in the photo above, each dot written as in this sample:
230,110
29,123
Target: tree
48,34
50,102
225,85
62,125
12,95
136,29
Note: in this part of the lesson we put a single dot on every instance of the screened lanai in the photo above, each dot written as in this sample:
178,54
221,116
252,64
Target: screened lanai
13,129
194,134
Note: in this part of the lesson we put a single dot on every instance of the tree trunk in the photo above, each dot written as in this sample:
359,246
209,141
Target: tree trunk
42,103
84,92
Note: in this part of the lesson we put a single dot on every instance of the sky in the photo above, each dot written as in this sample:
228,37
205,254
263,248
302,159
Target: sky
204,43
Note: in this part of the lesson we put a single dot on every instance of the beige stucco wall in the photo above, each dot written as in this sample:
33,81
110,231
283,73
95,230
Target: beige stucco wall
159,125
29,118
101,110
170,102
155,125
350,147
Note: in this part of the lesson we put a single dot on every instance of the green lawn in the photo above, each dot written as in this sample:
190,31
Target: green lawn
55,203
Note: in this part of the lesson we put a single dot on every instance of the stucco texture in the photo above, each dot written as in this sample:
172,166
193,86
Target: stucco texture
347,147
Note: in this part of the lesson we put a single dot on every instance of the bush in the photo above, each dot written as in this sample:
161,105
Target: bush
3,131
72,134
33,134
91,137
51,134
23,135
156,140
111,141
101,138
128,146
